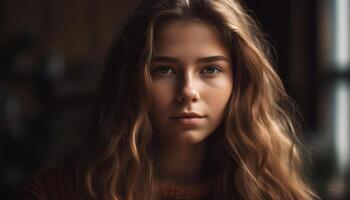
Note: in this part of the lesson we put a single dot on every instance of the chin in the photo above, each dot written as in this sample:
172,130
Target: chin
191,138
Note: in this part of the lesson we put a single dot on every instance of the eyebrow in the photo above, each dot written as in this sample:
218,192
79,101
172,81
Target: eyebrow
199,60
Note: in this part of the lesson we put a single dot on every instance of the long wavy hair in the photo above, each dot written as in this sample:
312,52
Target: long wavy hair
255,152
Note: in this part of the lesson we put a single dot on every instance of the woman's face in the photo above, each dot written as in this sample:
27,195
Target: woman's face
192,82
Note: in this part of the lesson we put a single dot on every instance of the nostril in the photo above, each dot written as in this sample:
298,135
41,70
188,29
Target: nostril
183,99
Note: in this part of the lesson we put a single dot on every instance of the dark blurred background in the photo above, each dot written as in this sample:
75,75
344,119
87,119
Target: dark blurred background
52,54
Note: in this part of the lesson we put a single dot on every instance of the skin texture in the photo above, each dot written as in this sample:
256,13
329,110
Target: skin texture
184,82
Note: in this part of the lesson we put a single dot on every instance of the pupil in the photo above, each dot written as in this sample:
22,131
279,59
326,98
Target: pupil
164,69
210,70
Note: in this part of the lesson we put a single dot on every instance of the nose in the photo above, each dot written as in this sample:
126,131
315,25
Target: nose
188,93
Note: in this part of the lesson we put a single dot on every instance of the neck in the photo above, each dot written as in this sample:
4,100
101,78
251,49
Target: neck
180,164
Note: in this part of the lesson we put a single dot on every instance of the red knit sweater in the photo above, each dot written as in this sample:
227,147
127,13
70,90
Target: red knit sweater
59,184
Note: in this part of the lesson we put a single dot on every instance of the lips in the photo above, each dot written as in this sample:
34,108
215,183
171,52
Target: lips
188,119
187,115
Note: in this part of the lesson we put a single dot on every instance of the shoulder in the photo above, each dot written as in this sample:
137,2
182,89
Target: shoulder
53,183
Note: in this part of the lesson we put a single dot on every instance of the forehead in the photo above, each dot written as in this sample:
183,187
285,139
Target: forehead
188,37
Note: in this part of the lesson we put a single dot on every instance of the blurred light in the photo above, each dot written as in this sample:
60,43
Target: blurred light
55,66
342,42
342,128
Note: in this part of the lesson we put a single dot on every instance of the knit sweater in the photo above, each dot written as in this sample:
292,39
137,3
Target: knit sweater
59,184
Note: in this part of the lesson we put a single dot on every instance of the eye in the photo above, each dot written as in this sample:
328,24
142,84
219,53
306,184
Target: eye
163,70
211,70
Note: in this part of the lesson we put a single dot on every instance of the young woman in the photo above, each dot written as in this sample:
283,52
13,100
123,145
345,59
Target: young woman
189,107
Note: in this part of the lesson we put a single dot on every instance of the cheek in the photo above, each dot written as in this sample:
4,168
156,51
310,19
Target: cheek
218,95
163,93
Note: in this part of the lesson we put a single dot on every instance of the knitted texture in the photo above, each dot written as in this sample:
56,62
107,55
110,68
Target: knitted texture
172,192
58,184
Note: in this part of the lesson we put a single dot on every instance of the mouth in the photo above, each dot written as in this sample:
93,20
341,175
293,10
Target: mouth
188,119
187,115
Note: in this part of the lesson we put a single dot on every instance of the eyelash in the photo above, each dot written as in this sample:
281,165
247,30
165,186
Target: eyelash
216,68
158,69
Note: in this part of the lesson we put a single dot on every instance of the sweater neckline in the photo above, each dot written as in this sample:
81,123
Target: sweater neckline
179,192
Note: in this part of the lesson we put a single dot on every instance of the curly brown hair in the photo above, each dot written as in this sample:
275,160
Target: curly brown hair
258,156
